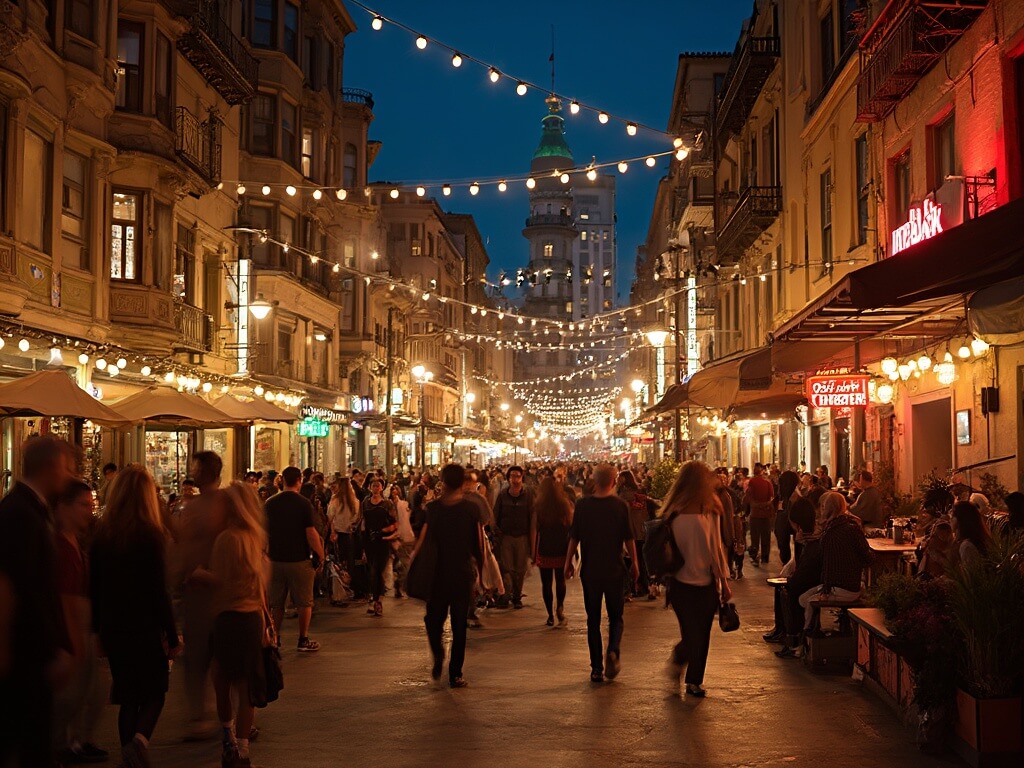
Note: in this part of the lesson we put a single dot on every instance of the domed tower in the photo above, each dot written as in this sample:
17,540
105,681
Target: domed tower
551,232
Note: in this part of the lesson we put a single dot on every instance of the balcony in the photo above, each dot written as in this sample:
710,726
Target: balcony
752,62
197,144
218,54
551,220
357,96
906,40
194,327
755,210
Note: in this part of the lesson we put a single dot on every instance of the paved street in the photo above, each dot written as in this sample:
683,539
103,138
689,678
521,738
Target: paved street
367,699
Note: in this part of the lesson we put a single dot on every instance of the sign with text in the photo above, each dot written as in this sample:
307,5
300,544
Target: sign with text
310,427
849,391
319,413
937,213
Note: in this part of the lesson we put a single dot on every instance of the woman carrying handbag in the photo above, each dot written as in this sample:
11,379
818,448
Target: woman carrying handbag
701,586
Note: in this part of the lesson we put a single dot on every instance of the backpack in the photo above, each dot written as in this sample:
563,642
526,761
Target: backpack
661,555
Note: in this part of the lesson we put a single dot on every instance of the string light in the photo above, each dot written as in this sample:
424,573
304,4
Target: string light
456,60
521,88
494,74
623,166
474,188
650,162
631,129
574,107
377,23
530,183
602,117
502,186
421,191
341,194
421,42
446,190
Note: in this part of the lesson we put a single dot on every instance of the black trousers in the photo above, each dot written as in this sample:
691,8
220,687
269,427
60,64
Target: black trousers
695,609
760,538
448,599
546,576
377,555
26,704
783,536
609,590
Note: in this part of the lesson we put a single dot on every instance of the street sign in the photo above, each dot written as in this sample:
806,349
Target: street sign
844,391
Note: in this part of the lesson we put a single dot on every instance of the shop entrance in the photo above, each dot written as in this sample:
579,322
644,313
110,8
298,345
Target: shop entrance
932,443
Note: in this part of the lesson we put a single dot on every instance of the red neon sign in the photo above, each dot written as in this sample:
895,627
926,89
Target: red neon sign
838,391
924,223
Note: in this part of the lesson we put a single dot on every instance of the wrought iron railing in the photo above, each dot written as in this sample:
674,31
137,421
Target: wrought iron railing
197,142
561,219
194,327
357,96
234,71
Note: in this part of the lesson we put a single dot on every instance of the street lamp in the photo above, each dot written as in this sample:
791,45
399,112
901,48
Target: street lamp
657,340
422,377
637,385
515,449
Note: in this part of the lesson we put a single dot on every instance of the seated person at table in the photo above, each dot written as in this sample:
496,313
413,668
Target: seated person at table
806,576
845,555
801,520
935,551
868,505
1015,513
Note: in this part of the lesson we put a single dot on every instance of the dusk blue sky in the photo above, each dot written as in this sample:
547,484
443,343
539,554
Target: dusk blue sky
439,123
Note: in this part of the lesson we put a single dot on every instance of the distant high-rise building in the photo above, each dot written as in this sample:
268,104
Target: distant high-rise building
594,249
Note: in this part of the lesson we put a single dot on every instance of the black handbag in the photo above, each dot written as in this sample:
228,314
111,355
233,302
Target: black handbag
273,675
728,617
419,580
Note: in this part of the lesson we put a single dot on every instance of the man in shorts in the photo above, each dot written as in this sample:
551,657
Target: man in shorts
291,538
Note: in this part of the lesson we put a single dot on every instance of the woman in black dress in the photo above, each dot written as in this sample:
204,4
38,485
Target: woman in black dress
378,522
554,518
131,609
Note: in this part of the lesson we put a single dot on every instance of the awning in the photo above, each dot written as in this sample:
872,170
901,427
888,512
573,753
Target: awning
252,410
169,407
719,385
996,314
674,398
54,393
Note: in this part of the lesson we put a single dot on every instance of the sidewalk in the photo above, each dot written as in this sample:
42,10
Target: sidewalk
366,699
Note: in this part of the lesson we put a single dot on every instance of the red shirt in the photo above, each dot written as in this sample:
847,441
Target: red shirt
760,494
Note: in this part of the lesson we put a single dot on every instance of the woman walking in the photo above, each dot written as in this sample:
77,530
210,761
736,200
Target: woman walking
402,539
702,584
131,608
378,516
554,519
237,567
342,511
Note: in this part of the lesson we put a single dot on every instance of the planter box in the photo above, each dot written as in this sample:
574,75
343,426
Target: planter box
988,731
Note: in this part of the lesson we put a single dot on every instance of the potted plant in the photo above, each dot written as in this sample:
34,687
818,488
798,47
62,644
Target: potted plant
986,599
664,475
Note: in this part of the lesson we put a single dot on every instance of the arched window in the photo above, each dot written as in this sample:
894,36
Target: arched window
350,176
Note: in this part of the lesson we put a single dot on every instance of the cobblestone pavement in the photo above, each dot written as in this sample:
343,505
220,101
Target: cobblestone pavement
366,699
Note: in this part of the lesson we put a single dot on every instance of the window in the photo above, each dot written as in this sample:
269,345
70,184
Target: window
291,31
284,349
848,29
182,282
264,122
3,161
348,300
768,142
330,65
350,179
945,161
261,217
34,195
583,235
826,221
310,62
308,142
828,51
164,85
901,179
863,186
568,307
264,24
125,249
78,17
549,250
752,161
284,261
349,254
288,132
129,66
72,205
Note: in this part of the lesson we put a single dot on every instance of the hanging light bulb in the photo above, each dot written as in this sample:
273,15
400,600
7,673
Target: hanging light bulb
336,268
591,174
146,370
574,107
374,255
564,178
677,142
266,189
889,364
317,194
623,166
531,183
681,154
885,393
602,117
446,190
964,352
945,372
207,386
420,191
341,194
421,42
23,345
521,88
224,389
83,359
257,390
113,370
631,129
240,189
924,362
502,186
168,377
290,190
904,371
979,346
394,193
456,60
101,364
122,363
494,74
377,23
651,162
912,363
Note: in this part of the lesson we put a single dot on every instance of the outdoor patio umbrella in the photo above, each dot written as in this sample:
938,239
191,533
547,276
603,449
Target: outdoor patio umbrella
254,410
54,393
168,407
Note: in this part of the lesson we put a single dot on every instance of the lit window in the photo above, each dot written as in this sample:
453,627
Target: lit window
583,234
307,152
549,250
125,251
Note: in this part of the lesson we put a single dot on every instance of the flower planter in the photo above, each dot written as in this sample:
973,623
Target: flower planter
988,731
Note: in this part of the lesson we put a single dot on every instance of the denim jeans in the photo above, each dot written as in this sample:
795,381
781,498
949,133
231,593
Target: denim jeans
608,589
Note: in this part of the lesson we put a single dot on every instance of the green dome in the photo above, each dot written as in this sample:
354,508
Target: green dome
552,140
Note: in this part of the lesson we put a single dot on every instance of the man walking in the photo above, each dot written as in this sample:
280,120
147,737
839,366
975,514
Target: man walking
600,526
760,498
513,518
291,537
483,511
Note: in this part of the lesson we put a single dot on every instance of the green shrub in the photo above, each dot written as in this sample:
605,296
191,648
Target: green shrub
663,477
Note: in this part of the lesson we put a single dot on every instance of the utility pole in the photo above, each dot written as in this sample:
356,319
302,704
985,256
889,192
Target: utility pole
679,361
389,427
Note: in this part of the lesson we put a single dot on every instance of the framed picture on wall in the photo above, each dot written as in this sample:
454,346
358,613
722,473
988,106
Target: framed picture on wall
963,427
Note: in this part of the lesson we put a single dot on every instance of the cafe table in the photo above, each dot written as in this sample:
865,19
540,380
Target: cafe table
887,555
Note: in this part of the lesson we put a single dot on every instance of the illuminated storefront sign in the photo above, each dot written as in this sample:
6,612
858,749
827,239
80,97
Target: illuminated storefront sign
328,415
311,427
845,391
362,405
924,222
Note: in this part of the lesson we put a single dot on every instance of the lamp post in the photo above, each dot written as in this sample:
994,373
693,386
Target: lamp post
422,377
515,450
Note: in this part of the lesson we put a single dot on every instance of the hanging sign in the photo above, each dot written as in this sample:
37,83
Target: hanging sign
328,415
311,427
936,214
838,391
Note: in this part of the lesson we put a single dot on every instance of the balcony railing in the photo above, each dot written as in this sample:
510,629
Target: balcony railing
357,96
219,54
194,327
738,228
902,45
197,144
752,62
549,219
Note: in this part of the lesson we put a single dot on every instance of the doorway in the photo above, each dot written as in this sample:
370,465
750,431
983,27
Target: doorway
932,438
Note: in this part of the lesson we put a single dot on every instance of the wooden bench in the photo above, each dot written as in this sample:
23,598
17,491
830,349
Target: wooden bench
885,672
834,650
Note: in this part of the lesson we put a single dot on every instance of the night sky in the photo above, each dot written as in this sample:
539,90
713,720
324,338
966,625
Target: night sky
438,123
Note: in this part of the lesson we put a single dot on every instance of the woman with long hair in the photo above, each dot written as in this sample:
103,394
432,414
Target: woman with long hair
237,572
972,538
788,482
131,608
702,584
342,511
378,515
554,519
402,539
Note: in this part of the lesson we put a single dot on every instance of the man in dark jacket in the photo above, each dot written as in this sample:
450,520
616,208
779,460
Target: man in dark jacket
513,518
35,650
